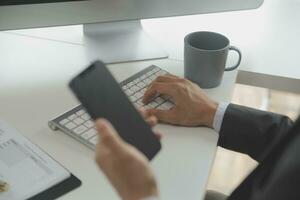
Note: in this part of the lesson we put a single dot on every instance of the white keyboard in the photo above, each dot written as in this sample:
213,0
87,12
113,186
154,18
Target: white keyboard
79,125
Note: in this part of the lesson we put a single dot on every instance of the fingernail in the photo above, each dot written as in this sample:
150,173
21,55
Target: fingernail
101,124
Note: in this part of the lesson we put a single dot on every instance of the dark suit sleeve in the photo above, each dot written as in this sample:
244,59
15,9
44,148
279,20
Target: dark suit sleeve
251,131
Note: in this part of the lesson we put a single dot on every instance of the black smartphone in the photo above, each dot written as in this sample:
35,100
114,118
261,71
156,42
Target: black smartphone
102,97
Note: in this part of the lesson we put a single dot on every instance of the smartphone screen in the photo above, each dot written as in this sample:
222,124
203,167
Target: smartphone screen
102,97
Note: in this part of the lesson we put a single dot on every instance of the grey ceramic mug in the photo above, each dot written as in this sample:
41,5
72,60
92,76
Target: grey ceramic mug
205,56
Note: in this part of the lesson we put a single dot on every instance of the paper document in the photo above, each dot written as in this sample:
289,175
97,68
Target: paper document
25,167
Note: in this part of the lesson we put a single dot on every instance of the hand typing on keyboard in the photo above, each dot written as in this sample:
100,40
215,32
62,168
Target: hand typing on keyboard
192,107
136,88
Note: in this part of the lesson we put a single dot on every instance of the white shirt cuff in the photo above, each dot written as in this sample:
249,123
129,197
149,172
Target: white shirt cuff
219,115
150,198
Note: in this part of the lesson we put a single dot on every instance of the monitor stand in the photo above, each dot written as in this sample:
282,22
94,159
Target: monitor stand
120,42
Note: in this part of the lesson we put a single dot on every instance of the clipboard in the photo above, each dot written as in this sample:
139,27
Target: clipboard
58,190
29,171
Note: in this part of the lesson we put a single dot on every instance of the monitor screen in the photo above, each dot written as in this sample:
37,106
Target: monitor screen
118,17
20,2
18,14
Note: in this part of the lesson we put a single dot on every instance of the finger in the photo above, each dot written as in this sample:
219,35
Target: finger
152,121
159,88
143,112
107,133
147,113
166,116
158,135
100,124
166,78
172,75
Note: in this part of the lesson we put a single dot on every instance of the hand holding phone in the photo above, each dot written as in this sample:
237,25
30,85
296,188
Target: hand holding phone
102,97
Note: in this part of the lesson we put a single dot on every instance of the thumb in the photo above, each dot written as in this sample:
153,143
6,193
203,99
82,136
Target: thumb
162,115
107,133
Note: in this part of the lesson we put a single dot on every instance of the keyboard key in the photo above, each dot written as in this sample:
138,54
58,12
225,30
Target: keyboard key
90,133
94,140
70,125
130,84
153,71
147,81
80,129
147,106
141,84
129,92
64,121
89,124
159,100
152,77
161,72
156,69
149,73
165,106
134,88
136,105
153,104
71,117
140,102
143,90
85,116
165,97
138,95
136,81
132,98
80,112
125,87
78,121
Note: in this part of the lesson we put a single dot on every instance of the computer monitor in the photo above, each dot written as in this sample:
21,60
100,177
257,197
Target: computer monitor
111,28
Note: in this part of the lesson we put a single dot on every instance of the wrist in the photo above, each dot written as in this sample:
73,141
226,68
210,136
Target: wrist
151,198
219,115
144,193
211,112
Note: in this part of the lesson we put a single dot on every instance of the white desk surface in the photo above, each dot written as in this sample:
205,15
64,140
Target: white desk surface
268,38
33,78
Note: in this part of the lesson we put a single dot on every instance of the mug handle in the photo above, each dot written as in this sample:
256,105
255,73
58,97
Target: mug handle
239,60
